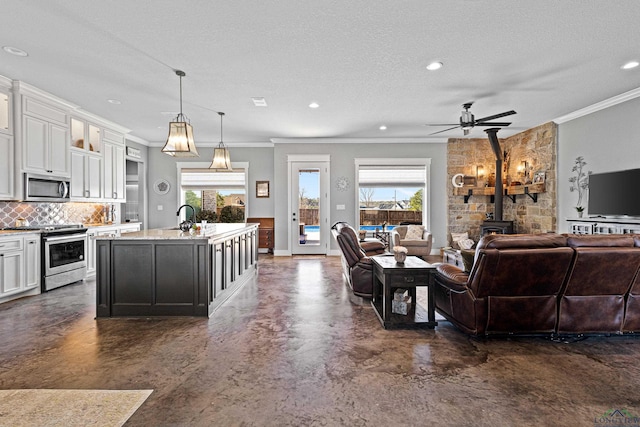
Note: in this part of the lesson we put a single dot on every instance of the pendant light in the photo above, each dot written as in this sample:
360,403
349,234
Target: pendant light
180,141
221,159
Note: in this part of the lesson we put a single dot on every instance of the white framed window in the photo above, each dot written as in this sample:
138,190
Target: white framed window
392,191
216,196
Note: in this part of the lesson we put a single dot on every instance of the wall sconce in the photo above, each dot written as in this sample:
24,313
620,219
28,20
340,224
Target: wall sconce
524,169
480,176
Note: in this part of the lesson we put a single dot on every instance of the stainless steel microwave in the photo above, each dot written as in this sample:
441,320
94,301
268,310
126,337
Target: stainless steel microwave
40,188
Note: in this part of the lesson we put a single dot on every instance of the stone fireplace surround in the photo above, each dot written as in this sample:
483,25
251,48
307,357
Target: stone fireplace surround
538,147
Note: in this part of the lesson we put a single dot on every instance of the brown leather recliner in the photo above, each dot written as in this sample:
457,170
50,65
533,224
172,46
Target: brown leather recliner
369,246
357,266
545,283
513,285
604,270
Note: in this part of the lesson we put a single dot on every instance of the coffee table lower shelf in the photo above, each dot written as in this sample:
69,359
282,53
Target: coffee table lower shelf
413,319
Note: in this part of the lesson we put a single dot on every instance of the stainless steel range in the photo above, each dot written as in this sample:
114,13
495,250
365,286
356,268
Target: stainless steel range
63,254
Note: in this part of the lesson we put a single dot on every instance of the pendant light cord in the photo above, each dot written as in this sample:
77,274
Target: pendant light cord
221,116
180,74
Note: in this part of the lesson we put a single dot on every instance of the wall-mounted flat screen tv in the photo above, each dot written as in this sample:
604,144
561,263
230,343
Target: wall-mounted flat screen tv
614,193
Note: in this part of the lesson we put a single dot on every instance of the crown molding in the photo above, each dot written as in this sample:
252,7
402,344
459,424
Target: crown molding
385,140
618,99
206,144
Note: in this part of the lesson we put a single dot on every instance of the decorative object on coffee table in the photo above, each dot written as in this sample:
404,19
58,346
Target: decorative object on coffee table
400,254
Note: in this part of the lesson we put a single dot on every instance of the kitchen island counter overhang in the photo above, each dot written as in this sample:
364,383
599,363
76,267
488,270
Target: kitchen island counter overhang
167,272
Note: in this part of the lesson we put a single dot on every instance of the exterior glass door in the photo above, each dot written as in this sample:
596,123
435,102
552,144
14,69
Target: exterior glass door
308,202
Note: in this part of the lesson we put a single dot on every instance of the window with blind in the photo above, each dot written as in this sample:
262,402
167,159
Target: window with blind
216,196
392,193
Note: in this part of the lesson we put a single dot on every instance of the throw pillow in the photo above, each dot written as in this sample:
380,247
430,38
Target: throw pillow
456,238
414,232
467,259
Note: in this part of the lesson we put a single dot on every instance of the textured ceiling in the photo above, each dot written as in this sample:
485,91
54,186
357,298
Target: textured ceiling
363,61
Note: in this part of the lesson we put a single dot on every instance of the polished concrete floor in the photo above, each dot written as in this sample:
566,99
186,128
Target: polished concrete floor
293,349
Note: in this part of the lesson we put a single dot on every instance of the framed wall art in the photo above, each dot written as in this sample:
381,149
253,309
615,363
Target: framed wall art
262,188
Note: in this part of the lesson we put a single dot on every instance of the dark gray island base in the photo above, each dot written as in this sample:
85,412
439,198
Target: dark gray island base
171,273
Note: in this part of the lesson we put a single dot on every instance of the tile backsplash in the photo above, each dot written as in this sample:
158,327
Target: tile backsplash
50,213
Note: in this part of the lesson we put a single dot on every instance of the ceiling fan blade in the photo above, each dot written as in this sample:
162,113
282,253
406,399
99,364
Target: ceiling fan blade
496,116
441,124
440,131
493,124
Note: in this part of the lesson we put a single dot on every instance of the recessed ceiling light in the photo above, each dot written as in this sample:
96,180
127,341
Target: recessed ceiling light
434,66
259,101
15,51
629,65
383,127
114,101
314,105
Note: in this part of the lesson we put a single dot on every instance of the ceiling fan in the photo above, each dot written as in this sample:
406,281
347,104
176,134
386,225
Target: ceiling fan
468,121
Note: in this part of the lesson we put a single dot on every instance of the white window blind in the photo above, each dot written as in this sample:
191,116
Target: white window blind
392,176
202,179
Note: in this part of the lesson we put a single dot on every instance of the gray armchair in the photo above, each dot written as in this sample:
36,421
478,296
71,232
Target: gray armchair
417,247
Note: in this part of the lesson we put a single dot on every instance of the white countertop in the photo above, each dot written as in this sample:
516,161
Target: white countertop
211,231
11,232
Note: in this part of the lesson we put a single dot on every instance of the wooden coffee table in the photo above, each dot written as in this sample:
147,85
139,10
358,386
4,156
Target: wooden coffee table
389,276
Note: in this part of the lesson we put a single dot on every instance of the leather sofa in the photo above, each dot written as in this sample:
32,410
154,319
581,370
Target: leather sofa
545,284
356,264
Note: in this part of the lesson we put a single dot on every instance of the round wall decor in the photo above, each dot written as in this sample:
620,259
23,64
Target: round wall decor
161,186
342,183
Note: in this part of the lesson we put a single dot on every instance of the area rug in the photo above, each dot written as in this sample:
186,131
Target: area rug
69,408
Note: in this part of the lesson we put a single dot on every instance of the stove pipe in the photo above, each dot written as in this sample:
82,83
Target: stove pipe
495,145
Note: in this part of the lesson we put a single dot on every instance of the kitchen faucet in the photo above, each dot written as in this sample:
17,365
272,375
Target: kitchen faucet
186,222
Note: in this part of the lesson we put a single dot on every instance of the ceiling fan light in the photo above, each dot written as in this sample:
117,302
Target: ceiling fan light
180,142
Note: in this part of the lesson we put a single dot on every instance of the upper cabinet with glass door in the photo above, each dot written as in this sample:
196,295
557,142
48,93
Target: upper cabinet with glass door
85,136
5,112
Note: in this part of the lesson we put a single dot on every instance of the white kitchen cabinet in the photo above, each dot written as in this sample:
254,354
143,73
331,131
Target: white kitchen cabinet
86,176
109,230
114,172
45,147
32,261
5,111
85,136
11,265
6,167
91,252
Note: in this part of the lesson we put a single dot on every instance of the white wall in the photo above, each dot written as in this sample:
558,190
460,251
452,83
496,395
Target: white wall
609,140
270,164
162,166
342,164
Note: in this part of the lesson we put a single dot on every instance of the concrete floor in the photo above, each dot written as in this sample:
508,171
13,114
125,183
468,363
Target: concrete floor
292,349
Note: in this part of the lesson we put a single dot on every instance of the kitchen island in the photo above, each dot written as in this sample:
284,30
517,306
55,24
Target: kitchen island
167,272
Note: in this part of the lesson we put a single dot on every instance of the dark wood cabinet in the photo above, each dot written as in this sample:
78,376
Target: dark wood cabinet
266,238
169,273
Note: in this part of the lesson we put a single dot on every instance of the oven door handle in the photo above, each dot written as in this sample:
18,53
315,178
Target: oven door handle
67,238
